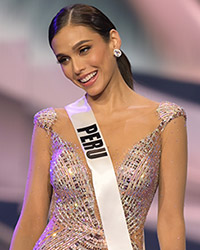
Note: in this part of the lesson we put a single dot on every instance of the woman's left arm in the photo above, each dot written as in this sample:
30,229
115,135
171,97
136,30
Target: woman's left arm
172,182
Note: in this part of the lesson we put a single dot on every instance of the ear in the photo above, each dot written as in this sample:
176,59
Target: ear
115,40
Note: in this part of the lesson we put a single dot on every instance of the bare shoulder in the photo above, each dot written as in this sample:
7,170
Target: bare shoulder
62,116
143,102
61,112
63,125
144,111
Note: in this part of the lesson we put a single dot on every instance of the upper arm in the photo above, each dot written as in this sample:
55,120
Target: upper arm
34,215
38,188
173,169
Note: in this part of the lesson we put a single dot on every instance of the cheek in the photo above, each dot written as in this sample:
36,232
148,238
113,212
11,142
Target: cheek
96,59
66,71
102,59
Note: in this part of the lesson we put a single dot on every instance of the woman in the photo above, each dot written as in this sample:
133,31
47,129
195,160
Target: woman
146,142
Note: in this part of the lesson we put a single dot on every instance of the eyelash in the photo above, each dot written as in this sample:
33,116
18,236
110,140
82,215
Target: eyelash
62,60
81,51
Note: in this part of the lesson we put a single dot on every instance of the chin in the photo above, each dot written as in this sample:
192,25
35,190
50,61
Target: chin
93,94
94,91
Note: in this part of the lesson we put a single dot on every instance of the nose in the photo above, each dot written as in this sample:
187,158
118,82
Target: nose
78,66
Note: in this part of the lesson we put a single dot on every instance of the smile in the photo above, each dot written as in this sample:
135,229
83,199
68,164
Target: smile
88,77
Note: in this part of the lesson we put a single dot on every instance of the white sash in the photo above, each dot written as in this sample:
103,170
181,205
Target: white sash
103,175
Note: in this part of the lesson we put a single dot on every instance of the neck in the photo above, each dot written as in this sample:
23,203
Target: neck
115,96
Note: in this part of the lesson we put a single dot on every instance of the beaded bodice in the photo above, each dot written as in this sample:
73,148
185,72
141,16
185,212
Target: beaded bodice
74,222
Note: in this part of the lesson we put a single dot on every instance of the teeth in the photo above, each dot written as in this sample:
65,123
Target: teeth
88,77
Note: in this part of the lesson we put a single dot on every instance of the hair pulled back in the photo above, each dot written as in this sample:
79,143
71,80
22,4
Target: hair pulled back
89,16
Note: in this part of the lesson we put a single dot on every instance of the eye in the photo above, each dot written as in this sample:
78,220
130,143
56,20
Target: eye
84,50
63,60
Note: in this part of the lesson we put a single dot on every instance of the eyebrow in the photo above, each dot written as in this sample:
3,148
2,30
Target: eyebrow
75,46
80,43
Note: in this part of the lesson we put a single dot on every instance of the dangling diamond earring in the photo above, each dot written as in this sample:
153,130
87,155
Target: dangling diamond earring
117,52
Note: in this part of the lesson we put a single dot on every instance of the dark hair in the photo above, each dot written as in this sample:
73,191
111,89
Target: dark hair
81,14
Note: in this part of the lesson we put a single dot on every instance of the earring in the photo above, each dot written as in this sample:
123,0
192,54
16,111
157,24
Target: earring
117,52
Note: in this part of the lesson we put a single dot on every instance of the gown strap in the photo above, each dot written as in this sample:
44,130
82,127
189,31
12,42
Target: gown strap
168,111
45,119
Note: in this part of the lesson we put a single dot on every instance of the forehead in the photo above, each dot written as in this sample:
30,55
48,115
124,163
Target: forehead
68,36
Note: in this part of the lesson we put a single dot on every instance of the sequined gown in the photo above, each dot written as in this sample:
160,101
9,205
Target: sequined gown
74,223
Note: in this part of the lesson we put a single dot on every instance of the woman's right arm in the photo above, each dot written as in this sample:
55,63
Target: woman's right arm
34,214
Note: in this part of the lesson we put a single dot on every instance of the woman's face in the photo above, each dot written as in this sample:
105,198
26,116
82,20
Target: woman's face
86,59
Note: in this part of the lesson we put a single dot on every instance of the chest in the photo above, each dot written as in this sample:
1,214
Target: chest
139,163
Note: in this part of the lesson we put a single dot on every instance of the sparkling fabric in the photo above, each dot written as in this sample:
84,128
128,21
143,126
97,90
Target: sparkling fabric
74,222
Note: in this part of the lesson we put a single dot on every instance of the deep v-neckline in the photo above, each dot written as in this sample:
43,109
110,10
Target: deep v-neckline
128,149
127,152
